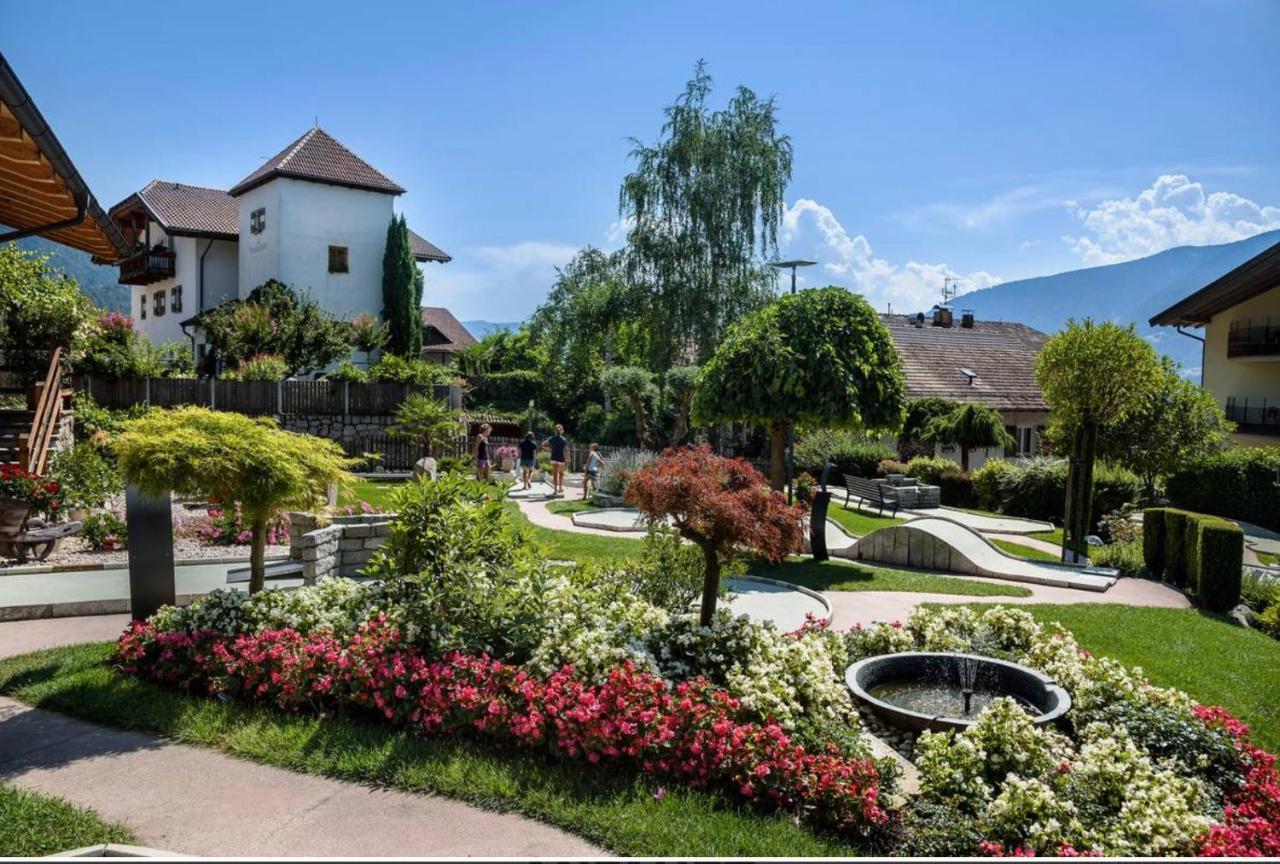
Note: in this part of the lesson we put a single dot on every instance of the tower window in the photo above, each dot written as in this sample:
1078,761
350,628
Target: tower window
337,259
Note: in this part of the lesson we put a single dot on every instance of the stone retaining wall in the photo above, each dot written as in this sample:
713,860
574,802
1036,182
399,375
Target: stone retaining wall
337,545
337,427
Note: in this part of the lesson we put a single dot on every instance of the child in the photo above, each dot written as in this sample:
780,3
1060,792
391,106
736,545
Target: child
482,453
528,453
591,476
559,446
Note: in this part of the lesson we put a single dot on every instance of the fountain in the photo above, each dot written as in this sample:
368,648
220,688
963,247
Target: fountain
921,690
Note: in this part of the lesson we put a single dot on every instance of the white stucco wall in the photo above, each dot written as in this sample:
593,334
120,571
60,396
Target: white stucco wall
221,271
165,328
1252,378
303,220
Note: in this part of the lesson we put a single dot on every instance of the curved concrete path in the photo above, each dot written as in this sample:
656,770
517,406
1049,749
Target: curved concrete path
783,604
986,523
940,544
195,801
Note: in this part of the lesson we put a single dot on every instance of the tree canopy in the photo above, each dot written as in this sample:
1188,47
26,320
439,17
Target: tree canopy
427,420
820,357
704,204
967,426
720,505
1092,375
40,309
273,320
637,387
232,459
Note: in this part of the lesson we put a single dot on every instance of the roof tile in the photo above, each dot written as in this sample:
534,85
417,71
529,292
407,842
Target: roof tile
456,336
320,157
183,209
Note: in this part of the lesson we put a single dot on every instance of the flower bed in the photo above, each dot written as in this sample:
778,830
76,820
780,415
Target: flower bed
689,733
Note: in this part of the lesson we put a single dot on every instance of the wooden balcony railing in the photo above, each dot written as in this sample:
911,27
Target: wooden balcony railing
1254,337
146,267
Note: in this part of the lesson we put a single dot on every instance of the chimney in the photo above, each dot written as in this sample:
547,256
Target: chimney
966,319
918,320
941,316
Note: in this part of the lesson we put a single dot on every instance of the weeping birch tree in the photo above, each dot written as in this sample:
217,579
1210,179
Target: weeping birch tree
705,203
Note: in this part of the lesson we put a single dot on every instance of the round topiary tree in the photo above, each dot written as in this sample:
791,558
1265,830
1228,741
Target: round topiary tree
818,357
718,504
231,459
1092,375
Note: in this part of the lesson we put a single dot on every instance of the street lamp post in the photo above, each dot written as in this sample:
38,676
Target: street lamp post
792,266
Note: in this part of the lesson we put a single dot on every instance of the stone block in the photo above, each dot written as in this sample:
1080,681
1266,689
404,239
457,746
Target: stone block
360,556
374,542
350,543
359,531
311,553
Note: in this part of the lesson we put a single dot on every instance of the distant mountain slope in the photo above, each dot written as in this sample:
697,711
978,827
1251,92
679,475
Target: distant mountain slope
1132,291
97,282
481,329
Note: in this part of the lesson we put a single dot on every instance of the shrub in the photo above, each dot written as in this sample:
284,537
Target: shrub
1238,483
890,466
105,532
1217,564
987,482
956,484
849,453
1269,620
1154,540
87,479
260,367
99,425
228,526
1036,489
397,370
1176,525
1125,556
1259,590
617,471
508,391
348,371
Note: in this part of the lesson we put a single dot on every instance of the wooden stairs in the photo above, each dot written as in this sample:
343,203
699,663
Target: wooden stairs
26,434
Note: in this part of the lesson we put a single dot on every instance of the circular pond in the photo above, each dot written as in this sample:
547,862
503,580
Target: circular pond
922,690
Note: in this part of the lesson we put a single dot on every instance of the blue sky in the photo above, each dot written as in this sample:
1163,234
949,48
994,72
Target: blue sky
989,141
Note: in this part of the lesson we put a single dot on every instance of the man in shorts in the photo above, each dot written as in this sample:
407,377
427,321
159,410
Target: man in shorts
528,458
559,447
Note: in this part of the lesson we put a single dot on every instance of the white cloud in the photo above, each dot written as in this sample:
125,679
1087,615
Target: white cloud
910,287
1173,211
496,283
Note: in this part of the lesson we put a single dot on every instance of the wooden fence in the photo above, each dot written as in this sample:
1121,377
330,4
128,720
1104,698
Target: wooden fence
261,397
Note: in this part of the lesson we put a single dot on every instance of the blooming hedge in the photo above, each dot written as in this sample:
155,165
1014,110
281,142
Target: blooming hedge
690,732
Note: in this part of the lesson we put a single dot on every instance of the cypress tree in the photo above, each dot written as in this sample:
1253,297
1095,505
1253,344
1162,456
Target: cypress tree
400,297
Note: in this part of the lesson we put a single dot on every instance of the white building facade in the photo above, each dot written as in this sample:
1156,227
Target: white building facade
313,217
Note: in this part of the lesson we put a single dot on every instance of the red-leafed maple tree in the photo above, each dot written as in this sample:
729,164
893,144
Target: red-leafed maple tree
719,504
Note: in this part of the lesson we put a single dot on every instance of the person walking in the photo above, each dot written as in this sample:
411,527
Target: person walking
482,453
559,447
591,474
528,447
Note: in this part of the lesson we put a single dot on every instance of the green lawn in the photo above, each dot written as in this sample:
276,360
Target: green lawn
33,825
377,492
608,806
1268,558
573,546
838,576
1020,551
859,523
567,508
1216,661
1054,536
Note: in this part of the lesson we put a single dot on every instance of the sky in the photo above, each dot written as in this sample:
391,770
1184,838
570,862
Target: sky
983,141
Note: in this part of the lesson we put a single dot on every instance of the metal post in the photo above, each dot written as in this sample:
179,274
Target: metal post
151,581
346,398
280,398
146,391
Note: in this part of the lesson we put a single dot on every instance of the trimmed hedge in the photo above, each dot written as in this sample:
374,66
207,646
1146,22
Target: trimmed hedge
955,483
1218,561
1204,554
1037,489
1239,483
848,454
1153,540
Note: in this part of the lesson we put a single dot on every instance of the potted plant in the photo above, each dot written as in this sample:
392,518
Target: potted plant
20,490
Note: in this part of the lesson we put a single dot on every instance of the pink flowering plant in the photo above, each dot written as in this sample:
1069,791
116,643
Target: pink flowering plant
227,526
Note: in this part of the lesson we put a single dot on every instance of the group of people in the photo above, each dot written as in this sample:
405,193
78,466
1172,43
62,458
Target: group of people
529,446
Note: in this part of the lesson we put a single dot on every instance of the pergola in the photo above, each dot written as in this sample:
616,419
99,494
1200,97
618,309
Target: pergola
41,192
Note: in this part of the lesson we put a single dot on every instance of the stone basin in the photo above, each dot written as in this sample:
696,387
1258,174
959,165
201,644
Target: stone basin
897,687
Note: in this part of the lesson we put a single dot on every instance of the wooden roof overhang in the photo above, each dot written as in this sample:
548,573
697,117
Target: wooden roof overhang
1260,273
41,192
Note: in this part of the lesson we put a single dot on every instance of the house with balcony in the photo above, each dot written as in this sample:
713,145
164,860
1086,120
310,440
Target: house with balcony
984,362
1238,316
314,217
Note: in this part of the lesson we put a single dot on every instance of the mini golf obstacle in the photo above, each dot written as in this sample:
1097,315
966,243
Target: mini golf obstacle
934,543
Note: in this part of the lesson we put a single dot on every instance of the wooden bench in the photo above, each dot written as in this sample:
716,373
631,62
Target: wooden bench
869,491
27,539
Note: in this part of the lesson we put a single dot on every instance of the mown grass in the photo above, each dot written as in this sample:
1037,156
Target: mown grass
859,523
1054,536
616,809
1211,657
567,508
1020,551
839,576
378,493
35,825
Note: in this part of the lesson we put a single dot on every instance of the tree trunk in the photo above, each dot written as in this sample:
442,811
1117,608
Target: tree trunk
608,361
710,584
638,407
778,454
258,555
681,425
964,458
1079,504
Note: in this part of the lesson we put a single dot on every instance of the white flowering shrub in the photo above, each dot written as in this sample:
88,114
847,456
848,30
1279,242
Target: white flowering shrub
338,605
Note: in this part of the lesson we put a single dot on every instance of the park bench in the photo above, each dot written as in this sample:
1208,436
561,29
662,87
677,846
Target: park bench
30,539
882,495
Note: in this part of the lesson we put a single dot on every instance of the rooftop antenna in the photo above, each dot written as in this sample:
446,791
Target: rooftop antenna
949,289
317,123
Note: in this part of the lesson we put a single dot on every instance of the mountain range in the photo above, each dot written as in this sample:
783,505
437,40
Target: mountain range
1131,291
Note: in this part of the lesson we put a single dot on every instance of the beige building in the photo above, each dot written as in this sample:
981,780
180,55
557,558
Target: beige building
1239,318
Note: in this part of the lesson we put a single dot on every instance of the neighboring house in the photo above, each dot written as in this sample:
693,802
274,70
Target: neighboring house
987,362
442,335
314,217
1240,317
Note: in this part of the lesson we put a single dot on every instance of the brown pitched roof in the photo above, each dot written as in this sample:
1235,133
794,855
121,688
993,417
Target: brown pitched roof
319,157
1001,356
185,210
425,250
1260,273
449,333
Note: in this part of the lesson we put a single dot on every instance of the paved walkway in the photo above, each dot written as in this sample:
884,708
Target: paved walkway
201,802
987,524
